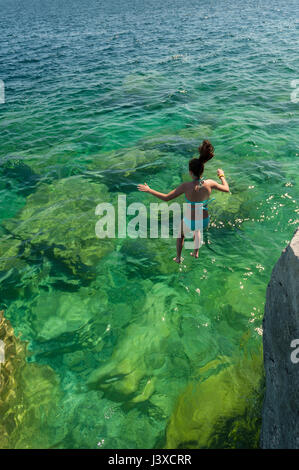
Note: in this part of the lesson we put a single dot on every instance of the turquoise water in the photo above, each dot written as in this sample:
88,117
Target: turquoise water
109,344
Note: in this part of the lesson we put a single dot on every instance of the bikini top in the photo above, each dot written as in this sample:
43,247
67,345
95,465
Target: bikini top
204,203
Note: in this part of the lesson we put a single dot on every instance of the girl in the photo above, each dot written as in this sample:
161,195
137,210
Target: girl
196,191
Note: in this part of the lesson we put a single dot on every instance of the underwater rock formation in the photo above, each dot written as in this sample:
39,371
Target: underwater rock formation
222,411
58,221
9,254
57,313
183,141
128,161
26,423
280,422
13,168
143,353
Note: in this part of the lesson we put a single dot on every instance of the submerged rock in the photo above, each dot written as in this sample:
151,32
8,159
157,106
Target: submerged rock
26,422
14,168
128,161
58,221
182,140
9,254
56,313
222,411
144,352
280,423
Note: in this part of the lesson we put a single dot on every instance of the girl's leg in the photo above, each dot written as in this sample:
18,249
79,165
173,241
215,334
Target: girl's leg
179,246
196,239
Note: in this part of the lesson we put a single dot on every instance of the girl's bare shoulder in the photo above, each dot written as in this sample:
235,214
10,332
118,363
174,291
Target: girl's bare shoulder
209,182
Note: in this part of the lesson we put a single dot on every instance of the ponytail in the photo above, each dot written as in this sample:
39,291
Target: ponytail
206,152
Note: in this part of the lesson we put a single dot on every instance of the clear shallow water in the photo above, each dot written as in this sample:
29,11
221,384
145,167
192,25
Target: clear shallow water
125,348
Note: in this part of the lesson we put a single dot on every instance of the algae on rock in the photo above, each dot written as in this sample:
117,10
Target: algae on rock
9,251
144,352
26,423
59,221
222,411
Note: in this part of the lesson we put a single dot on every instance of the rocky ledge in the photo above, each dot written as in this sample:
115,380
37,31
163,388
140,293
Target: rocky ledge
280,419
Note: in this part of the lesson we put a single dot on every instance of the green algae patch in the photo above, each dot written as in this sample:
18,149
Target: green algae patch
26,423
9,254
223,411
58,221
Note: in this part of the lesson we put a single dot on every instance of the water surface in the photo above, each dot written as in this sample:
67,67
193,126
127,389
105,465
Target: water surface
125,349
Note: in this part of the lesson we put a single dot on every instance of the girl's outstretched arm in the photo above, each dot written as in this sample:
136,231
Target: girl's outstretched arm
221,187
165,197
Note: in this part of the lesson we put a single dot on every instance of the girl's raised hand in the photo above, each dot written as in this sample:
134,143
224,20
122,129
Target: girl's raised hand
220,172
143,187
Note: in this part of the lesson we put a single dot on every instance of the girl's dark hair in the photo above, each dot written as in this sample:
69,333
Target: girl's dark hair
206,152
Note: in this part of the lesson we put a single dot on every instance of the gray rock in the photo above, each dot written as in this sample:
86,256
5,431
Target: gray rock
280,419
